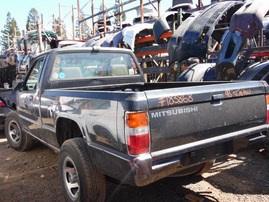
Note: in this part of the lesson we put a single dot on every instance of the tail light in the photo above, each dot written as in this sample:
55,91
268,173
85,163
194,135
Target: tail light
2,104
267,105
137,132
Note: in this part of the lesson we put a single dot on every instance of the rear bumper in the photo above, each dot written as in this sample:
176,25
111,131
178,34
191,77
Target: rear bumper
147,168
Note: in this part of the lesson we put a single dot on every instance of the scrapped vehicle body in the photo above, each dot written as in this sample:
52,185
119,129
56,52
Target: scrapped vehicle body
192,36
233,38
257,71
199,72
4,109
166,23
123,38
130,33
93,106
265,21
183,6
68,43
253,13
245,24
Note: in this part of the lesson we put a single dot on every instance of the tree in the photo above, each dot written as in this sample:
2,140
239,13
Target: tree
56,27
14,29
32,20
10,31
84,28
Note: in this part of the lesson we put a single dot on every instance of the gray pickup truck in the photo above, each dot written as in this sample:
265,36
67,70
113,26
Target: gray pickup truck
93,107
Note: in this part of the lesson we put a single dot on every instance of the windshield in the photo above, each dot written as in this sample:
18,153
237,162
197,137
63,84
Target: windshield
85,65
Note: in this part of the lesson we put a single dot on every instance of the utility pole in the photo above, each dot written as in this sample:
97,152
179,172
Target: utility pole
24,43
200,4
120,10
93,29
39,37
159,9
141,11
79,29
73,23
60,21
42,21
54,24
104,17
14,39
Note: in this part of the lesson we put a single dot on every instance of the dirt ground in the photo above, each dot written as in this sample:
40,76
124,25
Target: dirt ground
33,176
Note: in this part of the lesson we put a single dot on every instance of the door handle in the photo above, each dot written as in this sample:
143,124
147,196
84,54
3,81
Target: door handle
217,97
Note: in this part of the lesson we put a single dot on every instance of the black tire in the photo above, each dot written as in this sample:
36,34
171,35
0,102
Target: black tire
17,139
80,179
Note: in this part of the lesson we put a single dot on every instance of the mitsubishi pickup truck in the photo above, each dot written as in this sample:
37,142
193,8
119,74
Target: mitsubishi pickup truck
93,106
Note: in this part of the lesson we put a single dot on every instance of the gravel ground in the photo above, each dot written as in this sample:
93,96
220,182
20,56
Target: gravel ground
33,176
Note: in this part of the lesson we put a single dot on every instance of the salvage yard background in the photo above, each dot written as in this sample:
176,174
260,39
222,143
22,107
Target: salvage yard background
33,176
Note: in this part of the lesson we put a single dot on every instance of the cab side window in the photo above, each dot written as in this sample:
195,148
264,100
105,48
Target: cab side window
34,75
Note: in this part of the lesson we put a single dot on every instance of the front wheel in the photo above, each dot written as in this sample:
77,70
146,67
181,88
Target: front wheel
80,179
17,139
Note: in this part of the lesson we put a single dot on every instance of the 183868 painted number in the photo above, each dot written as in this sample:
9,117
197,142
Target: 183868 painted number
174,100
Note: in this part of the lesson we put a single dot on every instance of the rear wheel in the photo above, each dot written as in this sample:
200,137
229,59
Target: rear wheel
80,179
17,139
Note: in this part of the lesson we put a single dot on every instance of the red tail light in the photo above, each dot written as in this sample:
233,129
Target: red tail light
137,133
267,105
2,104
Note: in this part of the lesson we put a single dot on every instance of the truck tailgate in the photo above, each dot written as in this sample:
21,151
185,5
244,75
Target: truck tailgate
185,115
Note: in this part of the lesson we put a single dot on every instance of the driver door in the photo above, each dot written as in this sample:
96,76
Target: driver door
28,99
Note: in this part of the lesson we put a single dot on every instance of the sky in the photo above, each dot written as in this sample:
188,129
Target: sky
19,10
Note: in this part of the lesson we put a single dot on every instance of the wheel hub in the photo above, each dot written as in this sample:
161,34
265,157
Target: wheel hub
71,179
14,132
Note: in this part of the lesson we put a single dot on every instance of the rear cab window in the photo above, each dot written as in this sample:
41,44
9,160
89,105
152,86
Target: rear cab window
87,65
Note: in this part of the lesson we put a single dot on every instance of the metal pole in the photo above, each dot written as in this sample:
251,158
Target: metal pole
42,21
79,29
159,9
120,16
24,43
73,23
60,20
93,29
53,21
141,11
261,38
104,17
14,39
39,37
200,4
